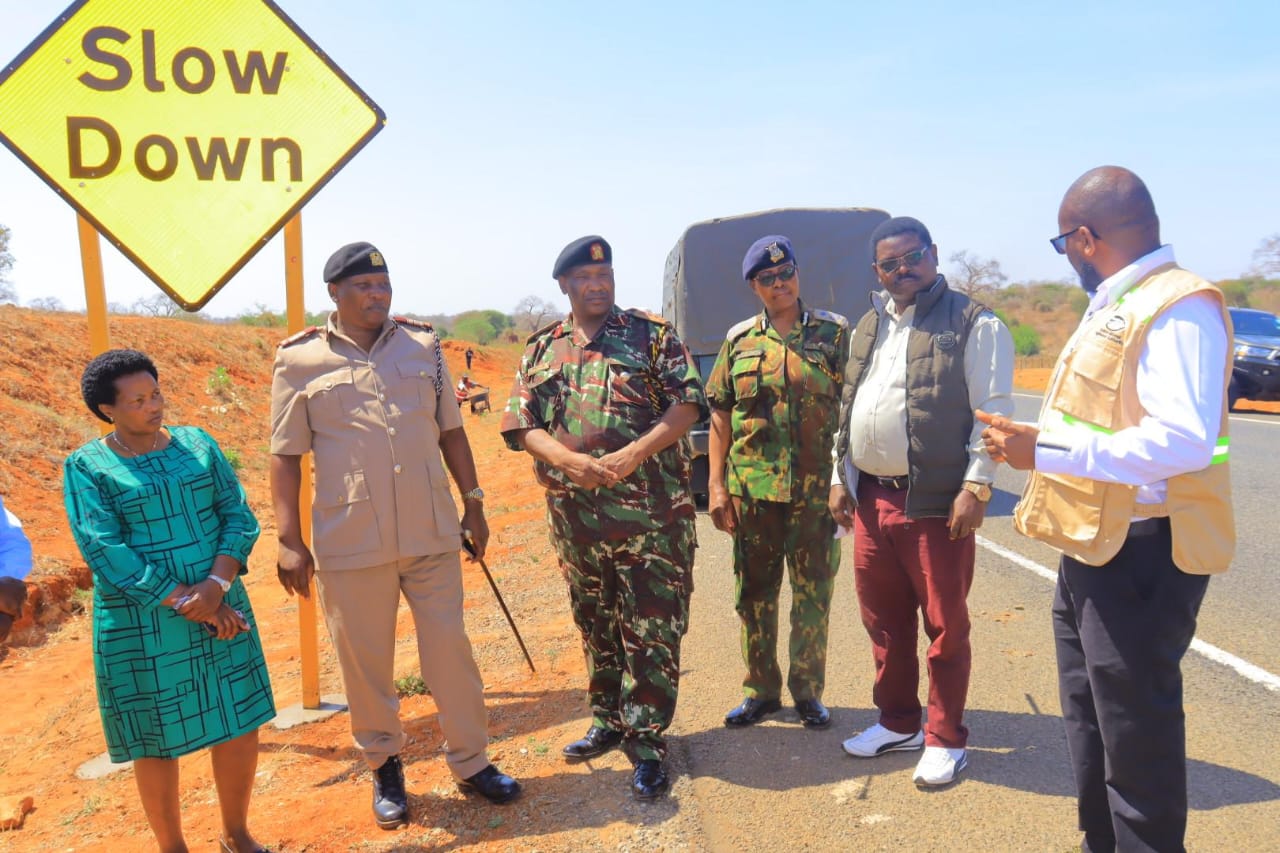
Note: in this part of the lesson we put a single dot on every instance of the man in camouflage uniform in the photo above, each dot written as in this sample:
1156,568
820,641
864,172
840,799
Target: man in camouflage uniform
601,401
774,393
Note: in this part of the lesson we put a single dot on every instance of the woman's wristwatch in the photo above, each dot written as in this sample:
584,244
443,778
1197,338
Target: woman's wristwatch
222,582
476,494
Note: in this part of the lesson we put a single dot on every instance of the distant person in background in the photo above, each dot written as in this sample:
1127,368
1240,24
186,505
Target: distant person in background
15,564
774,393
163,524
369,396
1131,482
470,355
914,484
601,401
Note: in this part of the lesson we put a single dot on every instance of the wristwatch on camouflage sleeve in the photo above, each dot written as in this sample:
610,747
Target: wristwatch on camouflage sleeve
476,494
981,491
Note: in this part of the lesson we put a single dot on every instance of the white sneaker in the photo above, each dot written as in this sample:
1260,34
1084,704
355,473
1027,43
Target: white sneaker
939,766
878,740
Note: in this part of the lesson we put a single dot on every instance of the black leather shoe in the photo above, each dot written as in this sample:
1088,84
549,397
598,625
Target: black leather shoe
598,741
813,713
650,780
752,711
496,786
390,804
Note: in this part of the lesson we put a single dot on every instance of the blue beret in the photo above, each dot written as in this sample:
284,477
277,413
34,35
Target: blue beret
354,259
592,249
767,252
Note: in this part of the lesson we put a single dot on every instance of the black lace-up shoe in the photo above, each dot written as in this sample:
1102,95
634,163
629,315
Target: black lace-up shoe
597,741
493,784
752,711
390,803
650,780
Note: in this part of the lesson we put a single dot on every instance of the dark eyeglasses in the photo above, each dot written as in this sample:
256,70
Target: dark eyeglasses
910,259
766,279
1059,243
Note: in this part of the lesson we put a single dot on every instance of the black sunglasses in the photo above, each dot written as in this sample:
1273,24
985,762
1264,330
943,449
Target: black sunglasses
1059,243
766,279
910,259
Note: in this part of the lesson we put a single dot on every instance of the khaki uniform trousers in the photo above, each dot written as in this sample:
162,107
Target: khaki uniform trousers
360,609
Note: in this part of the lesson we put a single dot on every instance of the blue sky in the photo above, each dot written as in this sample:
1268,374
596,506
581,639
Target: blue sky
514,128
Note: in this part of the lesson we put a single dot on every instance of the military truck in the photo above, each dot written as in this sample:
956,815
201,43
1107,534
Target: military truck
703,292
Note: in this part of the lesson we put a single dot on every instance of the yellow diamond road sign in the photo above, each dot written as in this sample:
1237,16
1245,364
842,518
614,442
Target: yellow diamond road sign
187,133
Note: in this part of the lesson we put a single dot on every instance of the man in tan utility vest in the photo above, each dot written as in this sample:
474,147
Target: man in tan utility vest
369,396
1130,481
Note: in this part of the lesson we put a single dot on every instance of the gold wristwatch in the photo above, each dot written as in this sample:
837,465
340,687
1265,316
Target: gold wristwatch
981,491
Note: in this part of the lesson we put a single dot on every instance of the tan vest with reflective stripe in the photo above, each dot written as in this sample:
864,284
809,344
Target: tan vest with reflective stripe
1094,387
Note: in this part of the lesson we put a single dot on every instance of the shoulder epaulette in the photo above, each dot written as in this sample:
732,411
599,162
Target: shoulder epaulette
299,336
648,315
414,322
740,329
544,330
831,317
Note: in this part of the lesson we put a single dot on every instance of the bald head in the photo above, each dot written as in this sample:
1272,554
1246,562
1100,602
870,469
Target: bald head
1116,204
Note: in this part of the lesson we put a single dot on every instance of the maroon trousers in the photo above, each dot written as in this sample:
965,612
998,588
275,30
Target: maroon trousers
903,567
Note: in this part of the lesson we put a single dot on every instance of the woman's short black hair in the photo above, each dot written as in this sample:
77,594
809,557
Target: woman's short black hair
98,382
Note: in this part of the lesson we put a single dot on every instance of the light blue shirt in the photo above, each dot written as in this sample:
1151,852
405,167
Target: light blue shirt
15,548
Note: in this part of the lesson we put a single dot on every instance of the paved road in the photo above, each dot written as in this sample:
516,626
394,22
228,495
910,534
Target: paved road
778,784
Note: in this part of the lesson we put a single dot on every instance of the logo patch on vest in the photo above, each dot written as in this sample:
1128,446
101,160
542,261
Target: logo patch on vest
945,340
1112,331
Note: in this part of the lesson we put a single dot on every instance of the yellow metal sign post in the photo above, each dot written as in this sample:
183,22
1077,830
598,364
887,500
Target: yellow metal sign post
187,134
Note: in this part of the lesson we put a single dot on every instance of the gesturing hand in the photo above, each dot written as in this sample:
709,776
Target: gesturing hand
1009,441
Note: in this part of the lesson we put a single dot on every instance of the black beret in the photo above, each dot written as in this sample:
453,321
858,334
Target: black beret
767,252
354,259
592,249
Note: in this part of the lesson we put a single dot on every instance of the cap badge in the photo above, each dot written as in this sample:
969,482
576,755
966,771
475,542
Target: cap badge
597,252
375,258
775,254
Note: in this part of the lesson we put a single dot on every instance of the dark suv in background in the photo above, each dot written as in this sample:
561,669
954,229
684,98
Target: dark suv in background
1256,374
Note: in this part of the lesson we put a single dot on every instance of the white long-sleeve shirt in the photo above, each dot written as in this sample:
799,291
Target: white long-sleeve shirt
1181,383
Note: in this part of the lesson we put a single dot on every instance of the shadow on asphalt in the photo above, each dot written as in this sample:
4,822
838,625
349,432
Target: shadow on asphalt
1025,752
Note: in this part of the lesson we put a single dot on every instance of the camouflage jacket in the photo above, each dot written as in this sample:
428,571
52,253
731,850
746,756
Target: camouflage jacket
596,396
784,398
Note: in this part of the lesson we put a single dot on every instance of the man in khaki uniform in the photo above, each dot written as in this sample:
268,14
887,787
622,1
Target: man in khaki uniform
369,396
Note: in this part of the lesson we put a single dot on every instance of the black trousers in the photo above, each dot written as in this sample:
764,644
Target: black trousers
1120,631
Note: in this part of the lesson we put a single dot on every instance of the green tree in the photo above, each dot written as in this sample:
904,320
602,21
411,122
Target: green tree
473,327
1026,340
1236,292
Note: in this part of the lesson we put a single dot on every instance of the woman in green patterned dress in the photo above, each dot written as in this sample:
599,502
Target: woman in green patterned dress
162,522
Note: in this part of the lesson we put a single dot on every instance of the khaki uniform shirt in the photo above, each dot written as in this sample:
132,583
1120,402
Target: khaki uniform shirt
373,422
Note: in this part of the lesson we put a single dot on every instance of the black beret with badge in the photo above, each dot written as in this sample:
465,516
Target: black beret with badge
592,249
767,252
354,259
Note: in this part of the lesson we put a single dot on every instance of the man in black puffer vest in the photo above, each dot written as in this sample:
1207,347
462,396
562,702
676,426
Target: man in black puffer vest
914,482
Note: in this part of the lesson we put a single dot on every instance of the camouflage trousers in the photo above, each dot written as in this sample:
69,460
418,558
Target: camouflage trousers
630,600
768,532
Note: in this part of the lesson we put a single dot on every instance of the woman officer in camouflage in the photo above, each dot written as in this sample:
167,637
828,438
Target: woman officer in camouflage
774,394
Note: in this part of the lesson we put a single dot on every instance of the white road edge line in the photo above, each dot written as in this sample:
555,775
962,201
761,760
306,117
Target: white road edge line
1256,674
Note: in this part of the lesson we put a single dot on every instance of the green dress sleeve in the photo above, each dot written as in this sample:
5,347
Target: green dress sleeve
99,535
